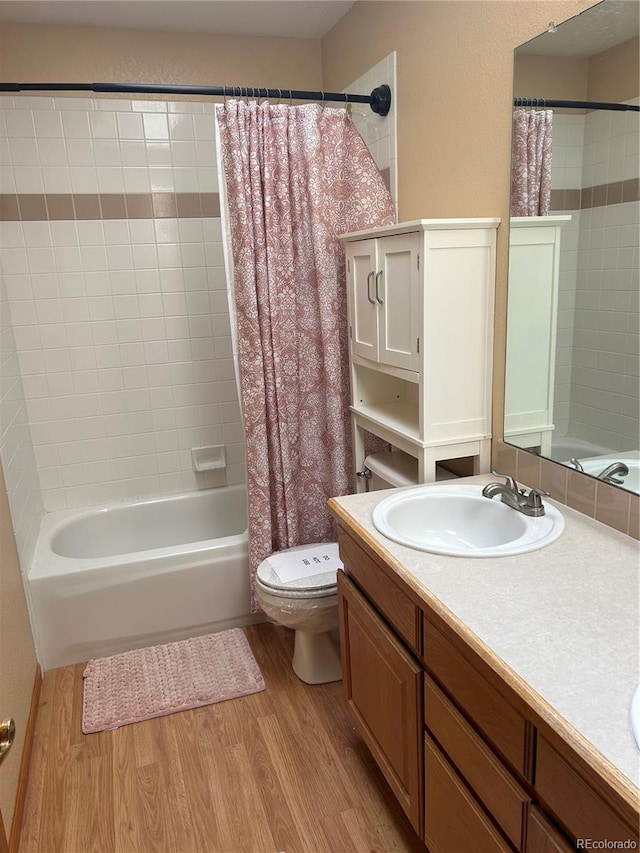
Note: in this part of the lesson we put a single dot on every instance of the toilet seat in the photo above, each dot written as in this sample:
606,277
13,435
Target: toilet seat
315,586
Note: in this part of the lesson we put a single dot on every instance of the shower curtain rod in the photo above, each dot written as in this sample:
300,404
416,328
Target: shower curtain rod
379,100
573,105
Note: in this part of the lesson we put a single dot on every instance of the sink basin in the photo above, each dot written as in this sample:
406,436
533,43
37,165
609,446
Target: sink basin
460,522
634,716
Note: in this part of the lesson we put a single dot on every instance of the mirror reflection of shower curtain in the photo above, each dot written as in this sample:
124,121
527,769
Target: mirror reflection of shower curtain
296,178
531,162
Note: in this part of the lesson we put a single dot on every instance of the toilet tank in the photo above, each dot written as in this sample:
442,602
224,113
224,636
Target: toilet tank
394,468
391,469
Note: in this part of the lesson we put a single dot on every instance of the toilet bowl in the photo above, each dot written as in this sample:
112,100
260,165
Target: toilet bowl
309,606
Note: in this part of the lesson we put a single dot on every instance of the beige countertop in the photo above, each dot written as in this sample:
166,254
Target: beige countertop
560,624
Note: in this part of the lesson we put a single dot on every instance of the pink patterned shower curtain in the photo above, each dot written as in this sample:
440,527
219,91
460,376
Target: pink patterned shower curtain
531,162
296,178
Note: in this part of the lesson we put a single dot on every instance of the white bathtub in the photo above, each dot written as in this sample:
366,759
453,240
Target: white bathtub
110,579
566,448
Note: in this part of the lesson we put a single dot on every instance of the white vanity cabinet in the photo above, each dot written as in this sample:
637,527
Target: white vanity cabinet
420,303
534,261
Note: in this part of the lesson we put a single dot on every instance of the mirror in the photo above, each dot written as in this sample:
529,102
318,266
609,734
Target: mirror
572,386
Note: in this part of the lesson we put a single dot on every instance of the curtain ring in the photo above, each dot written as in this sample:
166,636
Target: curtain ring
324,103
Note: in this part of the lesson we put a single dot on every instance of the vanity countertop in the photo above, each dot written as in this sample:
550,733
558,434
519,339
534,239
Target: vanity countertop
561,625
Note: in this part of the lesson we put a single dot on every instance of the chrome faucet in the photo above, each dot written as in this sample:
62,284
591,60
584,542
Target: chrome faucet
577,464
528,503
608,475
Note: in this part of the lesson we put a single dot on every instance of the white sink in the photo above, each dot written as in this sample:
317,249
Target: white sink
634,716
460,522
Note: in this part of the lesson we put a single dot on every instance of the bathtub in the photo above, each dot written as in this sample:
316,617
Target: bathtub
110,579
565,449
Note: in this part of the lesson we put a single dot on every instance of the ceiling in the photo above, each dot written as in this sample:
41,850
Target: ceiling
289,18
596,29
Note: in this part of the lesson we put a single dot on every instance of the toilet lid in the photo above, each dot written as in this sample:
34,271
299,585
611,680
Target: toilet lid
303,568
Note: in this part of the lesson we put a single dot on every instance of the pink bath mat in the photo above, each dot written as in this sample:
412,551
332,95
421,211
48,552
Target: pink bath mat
161,680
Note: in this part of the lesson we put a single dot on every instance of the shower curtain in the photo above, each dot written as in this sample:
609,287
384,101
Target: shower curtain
531,162
296,178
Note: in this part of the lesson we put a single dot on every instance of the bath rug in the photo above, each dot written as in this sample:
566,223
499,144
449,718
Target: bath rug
160,680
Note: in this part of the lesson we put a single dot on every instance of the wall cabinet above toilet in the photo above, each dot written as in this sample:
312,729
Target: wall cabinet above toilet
384,296
420,305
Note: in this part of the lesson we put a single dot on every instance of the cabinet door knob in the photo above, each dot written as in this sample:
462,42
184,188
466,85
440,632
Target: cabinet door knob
369,277
378,277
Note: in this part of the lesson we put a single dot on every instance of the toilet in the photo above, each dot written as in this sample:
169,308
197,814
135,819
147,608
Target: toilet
295,595
306,601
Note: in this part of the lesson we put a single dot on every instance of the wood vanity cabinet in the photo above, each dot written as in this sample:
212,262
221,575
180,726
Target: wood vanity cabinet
473,766
383,688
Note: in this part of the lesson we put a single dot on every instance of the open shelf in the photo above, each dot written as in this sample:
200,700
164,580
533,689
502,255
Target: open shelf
400,418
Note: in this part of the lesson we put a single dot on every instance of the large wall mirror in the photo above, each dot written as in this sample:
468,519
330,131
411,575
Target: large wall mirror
572,368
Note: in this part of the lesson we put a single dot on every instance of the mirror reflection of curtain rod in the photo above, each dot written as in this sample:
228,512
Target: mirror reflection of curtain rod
379,100
573,105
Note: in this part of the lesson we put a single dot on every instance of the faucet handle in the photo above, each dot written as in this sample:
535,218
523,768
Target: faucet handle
509,480
534,498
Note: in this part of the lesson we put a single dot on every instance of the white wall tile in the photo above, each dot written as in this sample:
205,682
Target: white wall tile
113,318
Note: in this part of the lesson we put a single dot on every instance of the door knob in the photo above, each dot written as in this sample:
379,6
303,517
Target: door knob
7,734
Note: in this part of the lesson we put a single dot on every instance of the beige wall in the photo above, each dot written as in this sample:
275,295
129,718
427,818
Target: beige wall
613,74
561,77
30,53
610,76
17,656
455,76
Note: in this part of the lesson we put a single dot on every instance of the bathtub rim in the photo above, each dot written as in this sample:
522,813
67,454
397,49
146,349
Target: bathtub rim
46,562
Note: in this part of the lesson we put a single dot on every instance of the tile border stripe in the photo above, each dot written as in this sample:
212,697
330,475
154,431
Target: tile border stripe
602,195
35,207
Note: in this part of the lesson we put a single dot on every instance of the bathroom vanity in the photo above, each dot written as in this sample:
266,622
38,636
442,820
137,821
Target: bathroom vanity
494,693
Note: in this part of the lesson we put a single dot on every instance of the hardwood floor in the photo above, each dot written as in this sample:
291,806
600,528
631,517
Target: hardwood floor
281,770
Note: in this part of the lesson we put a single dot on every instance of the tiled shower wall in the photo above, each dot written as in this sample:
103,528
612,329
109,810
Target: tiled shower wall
113,266
16,448
598,321
379,132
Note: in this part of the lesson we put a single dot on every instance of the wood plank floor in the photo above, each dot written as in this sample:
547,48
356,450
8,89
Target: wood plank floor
281,770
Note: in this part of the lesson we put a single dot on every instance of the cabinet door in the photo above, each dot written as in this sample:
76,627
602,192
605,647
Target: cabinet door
397,292
363,308
454,822
543,837
382,685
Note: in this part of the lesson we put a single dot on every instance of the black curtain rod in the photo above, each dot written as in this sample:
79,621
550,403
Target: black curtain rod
379,100
573,105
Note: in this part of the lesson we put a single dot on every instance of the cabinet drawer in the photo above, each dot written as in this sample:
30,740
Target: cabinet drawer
576,804
390,600
482,770
543,837
453,819
480,701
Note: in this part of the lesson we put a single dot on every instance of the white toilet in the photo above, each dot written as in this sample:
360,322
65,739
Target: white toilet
308,605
